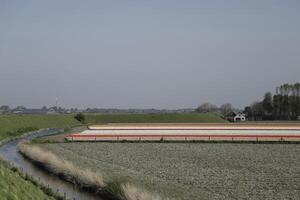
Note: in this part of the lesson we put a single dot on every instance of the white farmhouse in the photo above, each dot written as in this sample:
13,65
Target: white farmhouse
239,117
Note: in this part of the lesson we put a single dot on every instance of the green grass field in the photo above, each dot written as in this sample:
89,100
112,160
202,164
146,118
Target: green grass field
13,186
154,118
15,125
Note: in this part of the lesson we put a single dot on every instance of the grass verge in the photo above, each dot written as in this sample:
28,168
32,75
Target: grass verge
85,178
16,125
14,184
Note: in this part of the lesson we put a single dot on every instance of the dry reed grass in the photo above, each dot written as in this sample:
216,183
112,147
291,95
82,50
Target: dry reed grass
84,178
131,192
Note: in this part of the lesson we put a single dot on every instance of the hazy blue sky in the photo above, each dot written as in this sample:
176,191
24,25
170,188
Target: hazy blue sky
144,54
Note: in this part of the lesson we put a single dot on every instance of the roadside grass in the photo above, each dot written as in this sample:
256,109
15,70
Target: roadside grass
15,186
154,118
16,125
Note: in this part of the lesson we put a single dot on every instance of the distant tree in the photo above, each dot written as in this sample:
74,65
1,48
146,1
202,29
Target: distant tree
284,105
296,106
276,106
267,104
20,108
44,108
206,107
257,110
294,101
285,101
4,109
249,113
80,117
226,108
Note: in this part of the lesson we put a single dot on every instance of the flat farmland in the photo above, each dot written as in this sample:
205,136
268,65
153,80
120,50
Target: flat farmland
155,118
189,131
194,170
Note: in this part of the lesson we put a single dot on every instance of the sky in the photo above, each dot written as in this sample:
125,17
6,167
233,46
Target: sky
146,54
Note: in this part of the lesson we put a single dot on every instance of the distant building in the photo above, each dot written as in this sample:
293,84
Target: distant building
52,111
240,117
235,117
34,111
18,110
21,110
230,116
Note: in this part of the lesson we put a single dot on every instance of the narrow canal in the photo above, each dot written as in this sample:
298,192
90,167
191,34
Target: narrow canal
10,152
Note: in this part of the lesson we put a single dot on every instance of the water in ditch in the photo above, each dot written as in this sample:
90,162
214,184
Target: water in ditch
9,152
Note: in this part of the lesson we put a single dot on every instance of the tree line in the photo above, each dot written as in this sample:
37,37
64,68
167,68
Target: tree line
223,109
283,105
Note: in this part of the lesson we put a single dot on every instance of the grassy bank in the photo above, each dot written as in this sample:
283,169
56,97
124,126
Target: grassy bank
154,118
83,177
14,185
15,125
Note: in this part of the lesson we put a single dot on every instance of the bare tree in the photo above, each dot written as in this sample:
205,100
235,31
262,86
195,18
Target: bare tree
207,107
257,110
226,108
267,104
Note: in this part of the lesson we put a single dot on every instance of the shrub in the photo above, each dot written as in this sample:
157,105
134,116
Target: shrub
80,117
